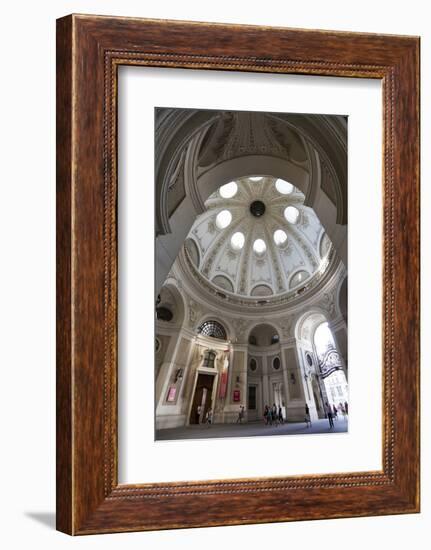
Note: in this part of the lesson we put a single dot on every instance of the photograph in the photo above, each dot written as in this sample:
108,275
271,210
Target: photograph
214,285
251,218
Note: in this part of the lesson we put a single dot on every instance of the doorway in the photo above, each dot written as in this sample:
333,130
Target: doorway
252,403
202,398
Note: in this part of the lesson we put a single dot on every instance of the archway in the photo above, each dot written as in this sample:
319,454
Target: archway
342,299
265,376
170,306
304,333
331,368
263,335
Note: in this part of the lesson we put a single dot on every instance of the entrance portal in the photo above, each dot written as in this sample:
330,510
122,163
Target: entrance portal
203,398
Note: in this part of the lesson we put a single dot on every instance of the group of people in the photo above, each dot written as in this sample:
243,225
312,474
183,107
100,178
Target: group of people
332,412
273,415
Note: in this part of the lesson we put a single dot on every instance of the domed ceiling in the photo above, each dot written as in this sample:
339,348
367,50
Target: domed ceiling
256,239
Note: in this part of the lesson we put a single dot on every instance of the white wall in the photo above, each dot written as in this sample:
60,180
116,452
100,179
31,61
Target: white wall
27,270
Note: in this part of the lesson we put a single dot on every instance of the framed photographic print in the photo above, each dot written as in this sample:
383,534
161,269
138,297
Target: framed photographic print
237,274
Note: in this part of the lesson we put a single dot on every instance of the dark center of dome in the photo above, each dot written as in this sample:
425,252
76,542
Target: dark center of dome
257,208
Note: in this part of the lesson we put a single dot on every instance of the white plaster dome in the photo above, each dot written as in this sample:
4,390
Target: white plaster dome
258,241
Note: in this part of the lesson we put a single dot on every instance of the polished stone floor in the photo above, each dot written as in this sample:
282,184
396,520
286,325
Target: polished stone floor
251,429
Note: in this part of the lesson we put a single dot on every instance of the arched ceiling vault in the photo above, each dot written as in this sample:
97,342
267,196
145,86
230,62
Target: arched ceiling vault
227,135
200,150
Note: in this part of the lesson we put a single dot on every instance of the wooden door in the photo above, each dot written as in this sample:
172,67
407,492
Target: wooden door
202,397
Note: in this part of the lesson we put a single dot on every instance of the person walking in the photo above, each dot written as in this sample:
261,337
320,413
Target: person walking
329,414
346,407
280,415
209,417
240,415
343,410
275,414
266,415
335,411
307,416
198,414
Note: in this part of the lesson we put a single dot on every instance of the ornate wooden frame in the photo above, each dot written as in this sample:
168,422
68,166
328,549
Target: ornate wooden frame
89,51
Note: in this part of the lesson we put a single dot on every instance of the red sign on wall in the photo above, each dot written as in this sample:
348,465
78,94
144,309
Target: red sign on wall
236,395
171,394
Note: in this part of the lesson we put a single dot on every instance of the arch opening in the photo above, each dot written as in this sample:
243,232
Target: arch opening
263,335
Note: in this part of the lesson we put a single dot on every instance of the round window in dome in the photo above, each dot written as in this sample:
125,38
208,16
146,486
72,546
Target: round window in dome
280,237
283,187
298,278
259,246
223,219
237,240
291,214
255,178
229,190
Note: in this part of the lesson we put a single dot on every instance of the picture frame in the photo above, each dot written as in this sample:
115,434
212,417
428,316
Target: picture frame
89,51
